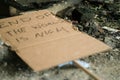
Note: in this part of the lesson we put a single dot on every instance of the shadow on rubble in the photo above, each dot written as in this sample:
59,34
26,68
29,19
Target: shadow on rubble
12,64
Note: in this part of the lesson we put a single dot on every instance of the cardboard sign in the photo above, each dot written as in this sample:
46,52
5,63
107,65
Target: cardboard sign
43,40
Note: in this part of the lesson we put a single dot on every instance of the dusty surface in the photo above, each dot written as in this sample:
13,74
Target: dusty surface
106,65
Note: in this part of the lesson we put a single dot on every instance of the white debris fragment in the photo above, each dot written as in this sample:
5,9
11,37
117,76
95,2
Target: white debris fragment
82,63
118,37
1,43
5,64
63,5
110,29
64,64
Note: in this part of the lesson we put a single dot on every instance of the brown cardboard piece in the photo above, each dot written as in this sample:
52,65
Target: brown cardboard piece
43,40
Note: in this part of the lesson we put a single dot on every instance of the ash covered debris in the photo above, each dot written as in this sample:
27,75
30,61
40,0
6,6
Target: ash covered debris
90,16
14,7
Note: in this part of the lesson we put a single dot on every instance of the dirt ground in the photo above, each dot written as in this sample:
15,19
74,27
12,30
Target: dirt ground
106,65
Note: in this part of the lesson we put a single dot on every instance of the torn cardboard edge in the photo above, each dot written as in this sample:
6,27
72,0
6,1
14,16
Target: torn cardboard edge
43,40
